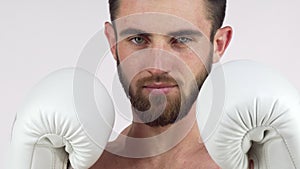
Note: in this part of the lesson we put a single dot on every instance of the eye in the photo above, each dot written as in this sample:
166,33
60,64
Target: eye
138,40
183,40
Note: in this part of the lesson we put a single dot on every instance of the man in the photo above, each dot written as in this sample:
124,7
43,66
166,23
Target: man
159,34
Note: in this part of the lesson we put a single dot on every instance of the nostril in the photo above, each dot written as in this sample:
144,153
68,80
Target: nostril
156,71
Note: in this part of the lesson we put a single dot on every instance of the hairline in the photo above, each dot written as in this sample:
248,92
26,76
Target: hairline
213,25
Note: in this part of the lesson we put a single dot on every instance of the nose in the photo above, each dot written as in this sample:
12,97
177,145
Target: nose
158,61
155,71
159,56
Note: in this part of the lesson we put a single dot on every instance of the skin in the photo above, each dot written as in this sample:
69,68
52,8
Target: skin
190,152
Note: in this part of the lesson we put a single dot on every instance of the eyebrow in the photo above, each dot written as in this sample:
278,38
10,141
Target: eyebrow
185,32
132,31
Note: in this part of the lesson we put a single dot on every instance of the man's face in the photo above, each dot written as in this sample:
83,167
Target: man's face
164,56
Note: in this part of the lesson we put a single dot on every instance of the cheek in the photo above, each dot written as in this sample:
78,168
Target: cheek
123,50
135,82
194,62
129,60
132,87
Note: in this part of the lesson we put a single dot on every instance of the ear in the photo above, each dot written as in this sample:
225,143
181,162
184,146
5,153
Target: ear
110,35
221,41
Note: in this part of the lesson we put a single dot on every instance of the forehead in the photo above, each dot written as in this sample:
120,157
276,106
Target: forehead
192,11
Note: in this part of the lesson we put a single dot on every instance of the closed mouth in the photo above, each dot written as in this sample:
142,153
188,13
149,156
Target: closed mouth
159,85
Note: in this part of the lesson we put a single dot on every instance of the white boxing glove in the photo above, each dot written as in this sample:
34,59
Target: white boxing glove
247,111
68,116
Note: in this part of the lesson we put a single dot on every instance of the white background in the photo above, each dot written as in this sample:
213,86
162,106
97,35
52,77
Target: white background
38,37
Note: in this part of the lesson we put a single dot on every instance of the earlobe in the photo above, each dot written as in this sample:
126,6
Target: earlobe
216,58
221,41
110,35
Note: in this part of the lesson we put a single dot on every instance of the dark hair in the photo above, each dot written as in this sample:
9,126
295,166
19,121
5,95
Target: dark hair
113,8
215,13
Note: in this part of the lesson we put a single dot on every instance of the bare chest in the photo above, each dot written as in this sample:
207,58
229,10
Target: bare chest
191,162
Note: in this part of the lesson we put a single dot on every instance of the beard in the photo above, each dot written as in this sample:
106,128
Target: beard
162,109
156,109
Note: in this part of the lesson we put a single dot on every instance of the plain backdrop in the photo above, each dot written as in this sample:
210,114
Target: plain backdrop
38,37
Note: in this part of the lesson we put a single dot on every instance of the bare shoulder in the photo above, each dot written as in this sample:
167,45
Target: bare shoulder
106,160
198,159
195,157
109,160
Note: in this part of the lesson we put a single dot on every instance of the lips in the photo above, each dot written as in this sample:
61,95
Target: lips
160,87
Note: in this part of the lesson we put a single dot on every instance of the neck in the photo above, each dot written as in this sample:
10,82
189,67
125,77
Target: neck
142,130
140,140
